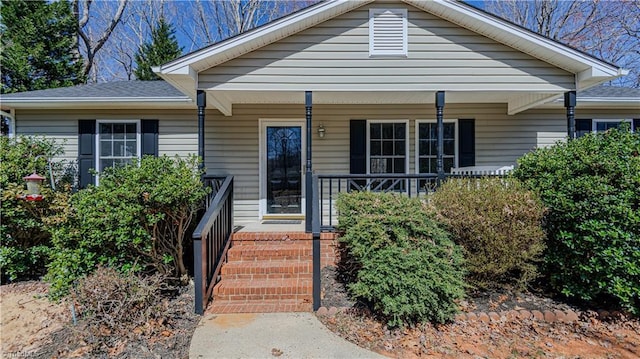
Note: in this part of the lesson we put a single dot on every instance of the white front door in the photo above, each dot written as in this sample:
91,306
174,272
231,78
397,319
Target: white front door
281,173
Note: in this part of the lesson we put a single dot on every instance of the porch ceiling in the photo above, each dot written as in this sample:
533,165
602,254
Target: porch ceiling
229,98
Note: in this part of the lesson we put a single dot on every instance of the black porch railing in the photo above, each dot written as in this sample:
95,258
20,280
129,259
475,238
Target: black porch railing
211,238
326,187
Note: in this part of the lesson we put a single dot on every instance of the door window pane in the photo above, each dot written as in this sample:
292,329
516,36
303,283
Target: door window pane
284,165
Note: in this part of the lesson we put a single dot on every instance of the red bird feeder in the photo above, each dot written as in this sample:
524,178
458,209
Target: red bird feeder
34,181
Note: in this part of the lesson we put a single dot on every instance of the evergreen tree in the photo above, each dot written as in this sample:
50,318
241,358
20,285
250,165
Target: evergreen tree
162,48
39,46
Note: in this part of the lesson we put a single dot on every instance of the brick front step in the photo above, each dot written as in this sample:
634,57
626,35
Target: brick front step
263,306
270,252
269,272
276,289
272,269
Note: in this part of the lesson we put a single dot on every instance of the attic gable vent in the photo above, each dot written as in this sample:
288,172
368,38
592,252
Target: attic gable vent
388,32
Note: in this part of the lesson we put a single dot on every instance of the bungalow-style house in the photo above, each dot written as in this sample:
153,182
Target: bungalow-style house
342,94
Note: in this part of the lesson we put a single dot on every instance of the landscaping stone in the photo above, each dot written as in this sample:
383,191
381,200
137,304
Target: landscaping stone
571,316
537,315
495,317
322,311
549,316
525,314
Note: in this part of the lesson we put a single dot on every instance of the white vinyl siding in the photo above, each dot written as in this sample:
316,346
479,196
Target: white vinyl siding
178,129
388,32
334,55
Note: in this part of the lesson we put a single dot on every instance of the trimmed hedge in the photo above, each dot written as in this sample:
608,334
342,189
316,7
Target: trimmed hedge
404,264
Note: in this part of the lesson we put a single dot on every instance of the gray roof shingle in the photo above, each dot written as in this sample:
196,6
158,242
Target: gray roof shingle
120,89
610,92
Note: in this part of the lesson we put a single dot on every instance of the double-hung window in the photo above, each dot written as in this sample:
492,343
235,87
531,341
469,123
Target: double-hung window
387,151
387,147
427,146
118,142
604,125
584,126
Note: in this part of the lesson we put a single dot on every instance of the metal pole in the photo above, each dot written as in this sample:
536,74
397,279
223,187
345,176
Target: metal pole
309,170
570,104
202,104
440,126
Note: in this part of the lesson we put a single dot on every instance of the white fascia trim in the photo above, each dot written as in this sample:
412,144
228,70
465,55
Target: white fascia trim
272,28
610,99
509,29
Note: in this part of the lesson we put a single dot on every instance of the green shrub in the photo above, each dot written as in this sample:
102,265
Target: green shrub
136,219
406,267
25,225
498,223
592,189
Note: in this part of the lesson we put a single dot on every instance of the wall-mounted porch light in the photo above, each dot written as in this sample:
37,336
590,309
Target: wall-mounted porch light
321,131
34,183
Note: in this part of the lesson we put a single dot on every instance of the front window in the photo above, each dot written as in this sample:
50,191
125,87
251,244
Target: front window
387,147
118,143
604,125
428,147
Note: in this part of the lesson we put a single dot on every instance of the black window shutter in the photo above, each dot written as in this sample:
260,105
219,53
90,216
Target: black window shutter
86,152
636,125
358,147
466,143
583,126
149,135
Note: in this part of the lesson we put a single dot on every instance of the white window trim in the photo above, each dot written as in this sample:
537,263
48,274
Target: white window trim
12,122
407,140
97,141
595,121
417,141
405,31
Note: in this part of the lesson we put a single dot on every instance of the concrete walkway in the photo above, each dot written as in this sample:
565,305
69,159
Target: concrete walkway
269,335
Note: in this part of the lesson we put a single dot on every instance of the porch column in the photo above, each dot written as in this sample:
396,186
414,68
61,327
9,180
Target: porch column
440,125
570,104
201,100
308,171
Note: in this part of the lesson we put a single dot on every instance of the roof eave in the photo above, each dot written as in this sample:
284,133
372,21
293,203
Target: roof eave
101,102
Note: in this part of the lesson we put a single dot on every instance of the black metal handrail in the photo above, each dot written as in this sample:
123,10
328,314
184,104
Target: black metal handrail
327,186
211,238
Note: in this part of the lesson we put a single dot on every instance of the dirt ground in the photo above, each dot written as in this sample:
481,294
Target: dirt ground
27,318
590,337
32,326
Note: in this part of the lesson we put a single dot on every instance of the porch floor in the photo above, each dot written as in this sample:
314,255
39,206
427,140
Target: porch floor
271,227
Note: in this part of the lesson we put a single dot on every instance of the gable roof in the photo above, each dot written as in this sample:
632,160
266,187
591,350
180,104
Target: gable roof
132,94
588,70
